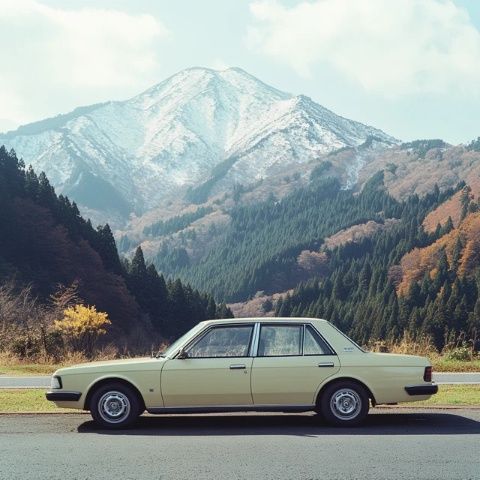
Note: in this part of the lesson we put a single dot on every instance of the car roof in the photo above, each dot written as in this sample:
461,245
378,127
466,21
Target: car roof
265,320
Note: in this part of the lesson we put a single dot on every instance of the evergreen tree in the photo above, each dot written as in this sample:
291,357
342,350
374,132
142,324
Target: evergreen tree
108,249
46,242
138,268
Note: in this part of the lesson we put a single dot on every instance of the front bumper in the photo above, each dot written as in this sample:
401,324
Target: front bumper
421,389
63,396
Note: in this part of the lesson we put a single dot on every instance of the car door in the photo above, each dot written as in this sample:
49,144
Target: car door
292,361
216,371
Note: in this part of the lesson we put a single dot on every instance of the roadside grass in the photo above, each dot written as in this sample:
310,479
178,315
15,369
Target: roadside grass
26,400
452,395
442,364
11,365
456,356
28,369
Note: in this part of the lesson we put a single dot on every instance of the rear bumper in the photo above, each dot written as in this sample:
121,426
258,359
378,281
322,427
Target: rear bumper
421,389
63,396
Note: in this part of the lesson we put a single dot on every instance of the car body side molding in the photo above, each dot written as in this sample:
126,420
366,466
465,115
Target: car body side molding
232,408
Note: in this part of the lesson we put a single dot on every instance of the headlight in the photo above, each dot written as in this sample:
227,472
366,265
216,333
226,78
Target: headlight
55,382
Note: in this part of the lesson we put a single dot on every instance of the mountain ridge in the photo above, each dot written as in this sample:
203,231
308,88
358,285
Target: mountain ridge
153,147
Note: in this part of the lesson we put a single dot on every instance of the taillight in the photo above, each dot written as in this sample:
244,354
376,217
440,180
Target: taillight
427,376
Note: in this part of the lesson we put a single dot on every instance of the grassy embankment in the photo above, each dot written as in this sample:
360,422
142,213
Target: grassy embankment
16,400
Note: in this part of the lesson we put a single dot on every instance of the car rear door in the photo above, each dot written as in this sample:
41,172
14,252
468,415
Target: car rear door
216,371
292,360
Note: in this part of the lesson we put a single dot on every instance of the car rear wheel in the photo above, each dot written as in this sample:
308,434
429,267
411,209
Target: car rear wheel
115,406
344,404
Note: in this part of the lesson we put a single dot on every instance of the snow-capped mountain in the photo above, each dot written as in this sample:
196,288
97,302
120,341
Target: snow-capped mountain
199,130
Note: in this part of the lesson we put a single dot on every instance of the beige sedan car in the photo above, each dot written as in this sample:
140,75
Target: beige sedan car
249,364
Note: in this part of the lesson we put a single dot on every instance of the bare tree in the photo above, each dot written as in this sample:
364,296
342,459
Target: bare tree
26,324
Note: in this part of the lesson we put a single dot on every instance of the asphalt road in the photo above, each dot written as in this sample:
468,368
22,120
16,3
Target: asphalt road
458,377
37,381
44,381
393,444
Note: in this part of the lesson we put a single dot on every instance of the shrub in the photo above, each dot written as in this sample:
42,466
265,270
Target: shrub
81,327
463,353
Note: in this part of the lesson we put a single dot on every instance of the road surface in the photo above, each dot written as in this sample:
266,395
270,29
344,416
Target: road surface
458,377
44,381
24,382
393,444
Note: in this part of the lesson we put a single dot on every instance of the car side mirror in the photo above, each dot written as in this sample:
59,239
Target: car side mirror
182,354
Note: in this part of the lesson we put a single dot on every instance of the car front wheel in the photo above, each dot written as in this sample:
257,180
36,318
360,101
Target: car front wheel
344,404
115,406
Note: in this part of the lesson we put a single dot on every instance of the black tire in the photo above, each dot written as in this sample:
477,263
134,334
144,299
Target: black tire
115,405
344,404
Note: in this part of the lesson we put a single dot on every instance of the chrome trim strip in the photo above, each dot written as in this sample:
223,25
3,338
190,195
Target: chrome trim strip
304,329
256,337
232,408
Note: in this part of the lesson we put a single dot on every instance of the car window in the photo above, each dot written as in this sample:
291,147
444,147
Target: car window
280,340
231,341
191,333
313,344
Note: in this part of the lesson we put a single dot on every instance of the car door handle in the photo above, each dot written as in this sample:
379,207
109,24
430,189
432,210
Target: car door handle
326,364
237,367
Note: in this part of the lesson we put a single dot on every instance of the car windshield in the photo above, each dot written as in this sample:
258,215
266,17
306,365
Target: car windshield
171,349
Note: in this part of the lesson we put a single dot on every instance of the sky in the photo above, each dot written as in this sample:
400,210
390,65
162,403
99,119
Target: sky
409,67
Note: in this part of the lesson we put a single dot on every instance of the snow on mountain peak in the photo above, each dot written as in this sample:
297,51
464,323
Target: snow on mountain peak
179,134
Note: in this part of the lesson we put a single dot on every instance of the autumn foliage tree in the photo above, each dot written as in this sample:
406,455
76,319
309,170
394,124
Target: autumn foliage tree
81,327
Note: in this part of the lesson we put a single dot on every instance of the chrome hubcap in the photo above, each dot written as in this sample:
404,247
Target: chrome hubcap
114,407
345,404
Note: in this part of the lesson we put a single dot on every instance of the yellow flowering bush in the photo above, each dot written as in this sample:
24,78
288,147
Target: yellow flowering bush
81,326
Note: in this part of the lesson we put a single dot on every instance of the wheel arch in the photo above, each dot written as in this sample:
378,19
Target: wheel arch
105,381
345,379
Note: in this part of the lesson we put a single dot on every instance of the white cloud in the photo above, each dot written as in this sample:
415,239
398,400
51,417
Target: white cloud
50,54
388,47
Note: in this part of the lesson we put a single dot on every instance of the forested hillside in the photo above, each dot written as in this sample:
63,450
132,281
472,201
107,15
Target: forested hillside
45,243
375,265
375,259
259,250
401,280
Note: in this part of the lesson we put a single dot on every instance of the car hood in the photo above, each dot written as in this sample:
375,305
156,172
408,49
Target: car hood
124,365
